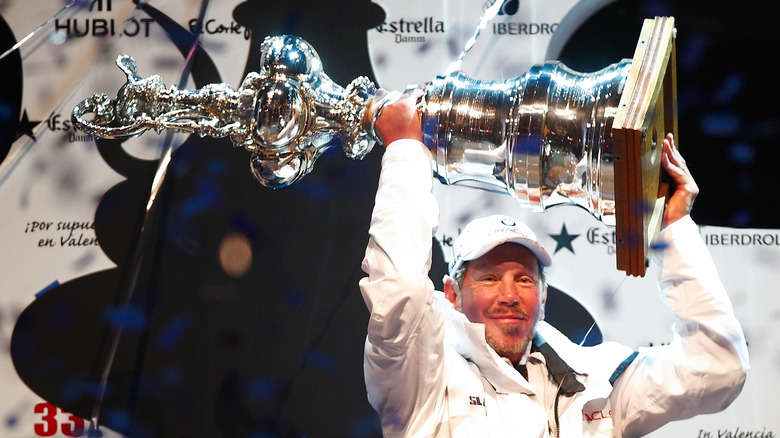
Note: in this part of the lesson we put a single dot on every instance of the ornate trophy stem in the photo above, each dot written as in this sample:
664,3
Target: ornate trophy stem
545,137
287,114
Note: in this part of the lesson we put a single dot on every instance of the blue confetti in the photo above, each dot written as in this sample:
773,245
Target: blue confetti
129,318
724,124
51,285
742,153
173,331
263,388
323,361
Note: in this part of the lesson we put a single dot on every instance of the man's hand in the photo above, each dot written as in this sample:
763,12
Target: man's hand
681,201
398,118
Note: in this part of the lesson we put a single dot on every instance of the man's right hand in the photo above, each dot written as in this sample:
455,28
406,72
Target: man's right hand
398,118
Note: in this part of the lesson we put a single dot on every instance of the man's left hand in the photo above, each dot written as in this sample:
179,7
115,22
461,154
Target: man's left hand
681,201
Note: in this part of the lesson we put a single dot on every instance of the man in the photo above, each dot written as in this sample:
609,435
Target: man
478,360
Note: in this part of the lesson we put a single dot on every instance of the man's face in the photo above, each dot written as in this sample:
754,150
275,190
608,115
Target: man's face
503,290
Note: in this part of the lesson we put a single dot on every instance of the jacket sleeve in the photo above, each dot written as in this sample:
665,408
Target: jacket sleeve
704,367
405,332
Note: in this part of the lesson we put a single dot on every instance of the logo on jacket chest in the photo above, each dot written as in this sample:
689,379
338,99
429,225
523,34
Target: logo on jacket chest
476,400
596,415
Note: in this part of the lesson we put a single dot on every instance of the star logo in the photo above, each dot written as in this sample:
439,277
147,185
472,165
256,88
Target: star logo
26,127
564,240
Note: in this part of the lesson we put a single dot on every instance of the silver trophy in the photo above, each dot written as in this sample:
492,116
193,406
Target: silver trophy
550,137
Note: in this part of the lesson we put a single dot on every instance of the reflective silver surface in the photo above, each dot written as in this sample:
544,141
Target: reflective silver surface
543,137
287,114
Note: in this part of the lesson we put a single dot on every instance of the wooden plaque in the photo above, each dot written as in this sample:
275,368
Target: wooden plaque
647,111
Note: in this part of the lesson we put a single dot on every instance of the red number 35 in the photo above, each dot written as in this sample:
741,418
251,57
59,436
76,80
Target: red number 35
74,426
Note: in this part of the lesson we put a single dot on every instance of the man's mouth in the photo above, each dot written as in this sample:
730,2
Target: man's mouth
509,317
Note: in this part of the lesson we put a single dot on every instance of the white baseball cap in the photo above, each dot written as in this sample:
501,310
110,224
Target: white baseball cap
483,234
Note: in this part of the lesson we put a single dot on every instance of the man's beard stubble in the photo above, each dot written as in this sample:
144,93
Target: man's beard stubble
508,348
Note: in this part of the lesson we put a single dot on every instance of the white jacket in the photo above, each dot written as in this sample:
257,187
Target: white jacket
430,373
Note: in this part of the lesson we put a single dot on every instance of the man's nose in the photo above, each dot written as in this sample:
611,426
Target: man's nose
508,293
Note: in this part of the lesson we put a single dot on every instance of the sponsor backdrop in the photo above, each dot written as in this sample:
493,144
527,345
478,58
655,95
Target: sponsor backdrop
244,318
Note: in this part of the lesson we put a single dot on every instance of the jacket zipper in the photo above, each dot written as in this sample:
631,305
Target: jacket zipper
557,420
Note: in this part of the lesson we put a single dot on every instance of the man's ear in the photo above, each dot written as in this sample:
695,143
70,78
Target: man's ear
452,291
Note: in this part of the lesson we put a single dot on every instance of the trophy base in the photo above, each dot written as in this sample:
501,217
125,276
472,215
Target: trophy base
647,111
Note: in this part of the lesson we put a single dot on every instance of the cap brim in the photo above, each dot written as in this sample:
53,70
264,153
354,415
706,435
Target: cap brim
538,250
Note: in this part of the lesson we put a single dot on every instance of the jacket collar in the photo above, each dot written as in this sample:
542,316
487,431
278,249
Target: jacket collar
563,375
